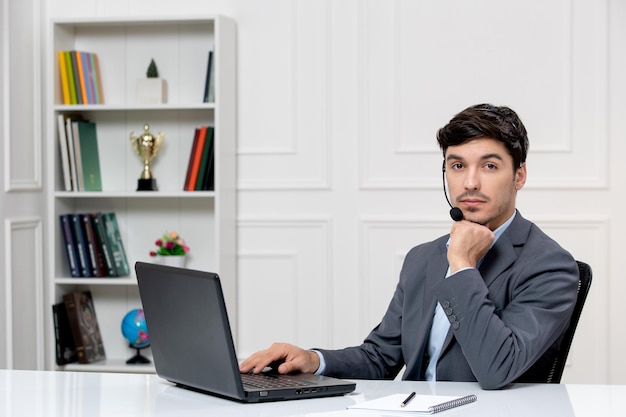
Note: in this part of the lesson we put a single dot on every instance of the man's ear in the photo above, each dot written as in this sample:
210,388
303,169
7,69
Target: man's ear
520,176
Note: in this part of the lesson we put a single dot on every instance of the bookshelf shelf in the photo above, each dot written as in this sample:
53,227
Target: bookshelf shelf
132,107
117,365
205,219
95,281
135,21
134,195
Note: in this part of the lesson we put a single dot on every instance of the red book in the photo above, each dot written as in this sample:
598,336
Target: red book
197,157
191,159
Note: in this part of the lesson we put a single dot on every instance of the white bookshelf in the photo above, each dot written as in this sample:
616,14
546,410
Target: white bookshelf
205,219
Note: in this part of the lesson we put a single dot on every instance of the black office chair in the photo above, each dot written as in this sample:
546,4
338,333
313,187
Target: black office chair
584,282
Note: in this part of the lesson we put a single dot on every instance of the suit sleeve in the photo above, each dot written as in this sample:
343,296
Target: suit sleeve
501,342
379,356
383,353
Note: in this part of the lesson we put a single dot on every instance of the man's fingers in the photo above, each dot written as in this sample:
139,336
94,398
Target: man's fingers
290,358
258,361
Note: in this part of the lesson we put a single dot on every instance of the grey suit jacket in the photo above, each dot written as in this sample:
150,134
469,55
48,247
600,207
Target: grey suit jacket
507,318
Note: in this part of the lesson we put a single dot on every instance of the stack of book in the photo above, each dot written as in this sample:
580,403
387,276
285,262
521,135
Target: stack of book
77,333
93,245
200,170
80,77
80,160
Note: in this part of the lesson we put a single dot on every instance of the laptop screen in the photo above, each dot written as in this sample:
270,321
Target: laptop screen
197,352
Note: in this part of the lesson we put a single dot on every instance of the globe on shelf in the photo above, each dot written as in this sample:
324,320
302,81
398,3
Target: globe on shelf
135,330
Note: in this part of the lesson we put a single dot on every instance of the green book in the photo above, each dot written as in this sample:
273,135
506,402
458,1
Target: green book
103,244
70,77
89,157
208,180
115,243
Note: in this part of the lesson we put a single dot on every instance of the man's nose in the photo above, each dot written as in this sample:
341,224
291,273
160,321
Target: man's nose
472,181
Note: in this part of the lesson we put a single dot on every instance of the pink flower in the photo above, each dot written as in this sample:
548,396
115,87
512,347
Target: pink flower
170,244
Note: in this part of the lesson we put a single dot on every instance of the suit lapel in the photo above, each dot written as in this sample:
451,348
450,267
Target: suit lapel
504,252
496,261
499,258
436,273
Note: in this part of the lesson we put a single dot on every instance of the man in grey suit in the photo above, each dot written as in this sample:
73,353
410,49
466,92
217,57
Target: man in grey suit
489,302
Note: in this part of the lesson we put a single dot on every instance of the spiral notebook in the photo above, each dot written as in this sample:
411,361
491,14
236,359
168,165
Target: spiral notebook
420,404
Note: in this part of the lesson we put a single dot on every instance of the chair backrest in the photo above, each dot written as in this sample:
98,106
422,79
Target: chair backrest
584,282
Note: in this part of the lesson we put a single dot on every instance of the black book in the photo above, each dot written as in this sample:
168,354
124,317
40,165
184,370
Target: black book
207,81
65,347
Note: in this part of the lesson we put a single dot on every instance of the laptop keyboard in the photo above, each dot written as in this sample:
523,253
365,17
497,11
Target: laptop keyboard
269,381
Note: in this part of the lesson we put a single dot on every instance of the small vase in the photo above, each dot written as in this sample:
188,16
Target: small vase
174,260
151,91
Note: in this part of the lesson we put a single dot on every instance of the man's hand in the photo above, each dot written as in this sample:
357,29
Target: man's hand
292,357
468,243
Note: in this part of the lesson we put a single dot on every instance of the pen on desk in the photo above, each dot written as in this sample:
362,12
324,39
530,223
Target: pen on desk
408,399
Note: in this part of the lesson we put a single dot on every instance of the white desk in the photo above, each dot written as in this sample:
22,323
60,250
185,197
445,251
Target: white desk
68,394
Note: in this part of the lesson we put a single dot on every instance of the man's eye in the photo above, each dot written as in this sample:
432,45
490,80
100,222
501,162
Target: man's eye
490,166
458,165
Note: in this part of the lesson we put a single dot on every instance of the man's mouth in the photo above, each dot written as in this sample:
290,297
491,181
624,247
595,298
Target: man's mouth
472,201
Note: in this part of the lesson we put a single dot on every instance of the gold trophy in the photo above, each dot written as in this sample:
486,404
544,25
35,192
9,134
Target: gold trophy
146,146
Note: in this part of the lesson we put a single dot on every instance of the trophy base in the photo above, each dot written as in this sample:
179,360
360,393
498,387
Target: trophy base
146,184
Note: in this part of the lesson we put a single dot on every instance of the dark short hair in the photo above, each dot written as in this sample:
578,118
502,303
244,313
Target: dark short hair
486,120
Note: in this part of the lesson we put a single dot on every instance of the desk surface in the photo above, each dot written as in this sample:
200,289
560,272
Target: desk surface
41,393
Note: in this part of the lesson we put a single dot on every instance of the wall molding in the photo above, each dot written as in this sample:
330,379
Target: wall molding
290,155
34,182
33,228
298,259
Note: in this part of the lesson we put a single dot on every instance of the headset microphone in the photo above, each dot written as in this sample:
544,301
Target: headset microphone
455,212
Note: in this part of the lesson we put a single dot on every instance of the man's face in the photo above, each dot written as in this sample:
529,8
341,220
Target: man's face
482,181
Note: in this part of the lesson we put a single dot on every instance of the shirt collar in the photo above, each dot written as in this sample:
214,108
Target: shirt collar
500,230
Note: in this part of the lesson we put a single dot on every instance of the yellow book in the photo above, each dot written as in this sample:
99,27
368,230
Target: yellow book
63,73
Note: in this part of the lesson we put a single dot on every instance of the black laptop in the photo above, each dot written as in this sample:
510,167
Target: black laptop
192,345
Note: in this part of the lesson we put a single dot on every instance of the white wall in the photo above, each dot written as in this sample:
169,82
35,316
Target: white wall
339,171
21,196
